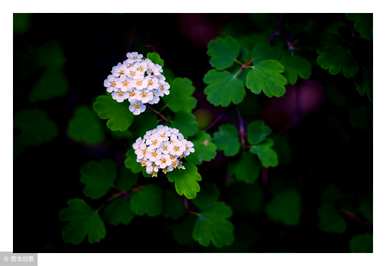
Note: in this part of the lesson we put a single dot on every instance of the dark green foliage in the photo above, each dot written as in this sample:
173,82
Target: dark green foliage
35,128
212,226
118,212
85,127
98,177
81,222
285,207
186,123
147,201
227,139
362,243
246,169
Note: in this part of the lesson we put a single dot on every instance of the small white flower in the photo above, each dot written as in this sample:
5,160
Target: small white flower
120,96
164,88
124,84
137,107
162,148
119,70
137,80
163,161
145,96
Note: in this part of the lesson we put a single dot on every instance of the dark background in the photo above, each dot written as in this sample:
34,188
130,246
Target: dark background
325,147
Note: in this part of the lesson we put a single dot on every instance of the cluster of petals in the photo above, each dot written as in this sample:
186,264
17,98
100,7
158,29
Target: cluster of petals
162,148
138,80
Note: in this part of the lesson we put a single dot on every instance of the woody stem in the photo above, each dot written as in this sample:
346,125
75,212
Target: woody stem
164,118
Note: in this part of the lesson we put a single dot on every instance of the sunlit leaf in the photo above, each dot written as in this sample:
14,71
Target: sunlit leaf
118,116
267,77
223,88
223,51
186,180
204,149
155,58
180,98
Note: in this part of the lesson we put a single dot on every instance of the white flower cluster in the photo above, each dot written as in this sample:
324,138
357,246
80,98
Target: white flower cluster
138,80
162,148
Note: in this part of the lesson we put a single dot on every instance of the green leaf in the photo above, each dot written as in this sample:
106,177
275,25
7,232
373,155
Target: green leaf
361,243
366,209
204,149
246,169
213,226
363,24
85,127
264,51
337,59
147,121
172,206
223,51
186,180
295,66
131,162
98,177
246,198
118,212
266,153
52,84
227,139
126,180
257,132
330,220
208,195
81,221
285,207
155,58
267,76
180,98
21,22
186,123
223,88
182,231
118,116
147,201
50,55
35,128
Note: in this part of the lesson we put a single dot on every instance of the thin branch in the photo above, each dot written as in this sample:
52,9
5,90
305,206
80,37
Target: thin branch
164,118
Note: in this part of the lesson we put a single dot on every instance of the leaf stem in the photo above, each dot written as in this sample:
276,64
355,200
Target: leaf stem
242,132
164,118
